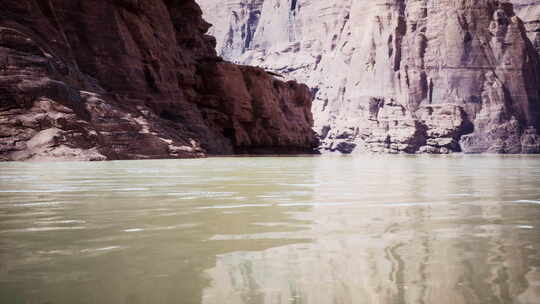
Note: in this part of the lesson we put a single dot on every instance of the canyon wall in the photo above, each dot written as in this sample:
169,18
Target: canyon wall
529,12
128,79
413,76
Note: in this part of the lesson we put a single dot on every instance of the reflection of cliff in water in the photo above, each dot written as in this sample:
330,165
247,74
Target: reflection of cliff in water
427,232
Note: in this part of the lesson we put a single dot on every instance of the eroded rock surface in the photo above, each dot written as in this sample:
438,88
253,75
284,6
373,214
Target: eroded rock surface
122,79
529,12
413,76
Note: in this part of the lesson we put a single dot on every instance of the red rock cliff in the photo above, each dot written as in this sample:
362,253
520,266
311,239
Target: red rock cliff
130,79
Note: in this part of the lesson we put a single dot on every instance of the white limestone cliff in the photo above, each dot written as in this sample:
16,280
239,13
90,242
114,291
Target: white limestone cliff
432,76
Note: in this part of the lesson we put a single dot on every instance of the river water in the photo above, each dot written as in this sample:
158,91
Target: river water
315,230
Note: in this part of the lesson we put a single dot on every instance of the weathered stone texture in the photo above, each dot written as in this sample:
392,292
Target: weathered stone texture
122,79
434,76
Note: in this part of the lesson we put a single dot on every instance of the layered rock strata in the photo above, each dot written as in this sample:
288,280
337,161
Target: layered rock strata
529,12
122,79
399,76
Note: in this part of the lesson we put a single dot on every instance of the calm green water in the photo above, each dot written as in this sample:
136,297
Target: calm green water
316,230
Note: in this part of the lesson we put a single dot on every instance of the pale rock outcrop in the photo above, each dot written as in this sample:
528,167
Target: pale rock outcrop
529,12
432,76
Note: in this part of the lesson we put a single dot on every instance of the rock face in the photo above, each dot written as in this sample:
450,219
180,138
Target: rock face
125,79
398,76
529,12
